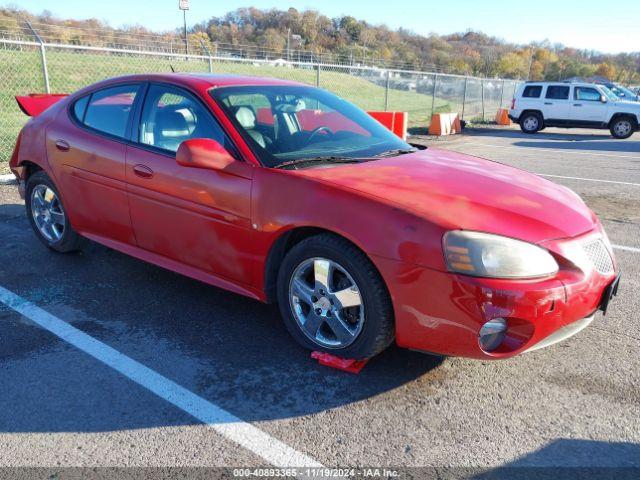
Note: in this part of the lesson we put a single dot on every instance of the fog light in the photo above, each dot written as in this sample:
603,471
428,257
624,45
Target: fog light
492,334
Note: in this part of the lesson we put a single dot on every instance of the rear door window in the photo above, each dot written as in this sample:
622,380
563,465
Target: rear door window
108,110
558,92
532,91
171,116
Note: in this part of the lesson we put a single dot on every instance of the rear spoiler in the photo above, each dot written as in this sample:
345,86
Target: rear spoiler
36,103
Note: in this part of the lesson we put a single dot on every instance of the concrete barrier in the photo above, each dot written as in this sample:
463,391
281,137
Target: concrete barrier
444,124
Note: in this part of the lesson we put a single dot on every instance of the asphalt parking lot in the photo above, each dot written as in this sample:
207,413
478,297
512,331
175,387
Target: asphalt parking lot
172,372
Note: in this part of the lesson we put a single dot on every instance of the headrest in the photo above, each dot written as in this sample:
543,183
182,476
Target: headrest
170,123
291,107
246,117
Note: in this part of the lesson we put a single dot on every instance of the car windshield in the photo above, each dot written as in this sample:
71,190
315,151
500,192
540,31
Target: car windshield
286,124
623,92
609,94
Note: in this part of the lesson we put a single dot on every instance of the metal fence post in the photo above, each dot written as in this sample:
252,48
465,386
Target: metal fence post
43,55
317,74
386,91
501,94
206,50
482,96
433,96
464,96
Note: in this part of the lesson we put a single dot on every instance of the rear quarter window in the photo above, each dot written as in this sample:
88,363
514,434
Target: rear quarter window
108,110
532,91
79,108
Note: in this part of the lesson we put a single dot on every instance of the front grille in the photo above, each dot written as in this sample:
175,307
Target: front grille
599,255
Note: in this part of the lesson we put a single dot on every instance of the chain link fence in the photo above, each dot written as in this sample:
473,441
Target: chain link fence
33,67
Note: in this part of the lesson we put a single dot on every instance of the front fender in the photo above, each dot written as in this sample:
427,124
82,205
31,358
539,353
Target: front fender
282,201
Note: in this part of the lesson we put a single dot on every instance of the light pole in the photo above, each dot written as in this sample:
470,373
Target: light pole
288,44
184,6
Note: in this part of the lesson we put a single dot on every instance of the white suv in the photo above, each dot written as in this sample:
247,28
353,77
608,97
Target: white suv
571,105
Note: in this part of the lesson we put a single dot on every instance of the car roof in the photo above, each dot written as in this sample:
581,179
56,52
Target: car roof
558,82
200,81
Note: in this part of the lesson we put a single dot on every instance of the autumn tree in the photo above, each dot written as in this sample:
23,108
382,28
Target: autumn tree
607,71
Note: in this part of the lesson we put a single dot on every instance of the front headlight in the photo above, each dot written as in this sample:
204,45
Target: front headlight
486,255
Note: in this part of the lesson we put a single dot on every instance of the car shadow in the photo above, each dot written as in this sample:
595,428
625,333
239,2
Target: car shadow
231,351
572,459
561,141
553,134
613,146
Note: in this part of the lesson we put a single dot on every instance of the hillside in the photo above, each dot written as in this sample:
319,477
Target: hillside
309,35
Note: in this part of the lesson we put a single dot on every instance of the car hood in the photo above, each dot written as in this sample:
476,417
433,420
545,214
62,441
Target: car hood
628,104
459,191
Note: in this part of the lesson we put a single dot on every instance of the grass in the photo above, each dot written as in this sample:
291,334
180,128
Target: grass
21,73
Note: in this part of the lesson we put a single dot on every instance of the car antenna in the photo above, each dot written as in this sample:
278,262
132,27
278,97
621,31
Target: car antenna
172,69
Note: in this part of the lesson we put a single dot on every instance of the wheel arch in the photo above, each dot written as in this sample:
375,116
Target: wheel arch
30,168
618,115
532,110
284,243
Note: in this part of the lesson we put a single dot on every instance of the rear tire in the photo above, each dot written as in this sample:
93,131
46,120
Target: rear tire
361,307
622,127
47,215
531,122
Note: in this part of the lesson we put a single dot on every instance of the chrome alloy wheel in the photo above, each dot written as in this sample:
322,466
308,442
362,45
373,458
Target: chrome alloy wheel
531,123
47,213
326,303
622,128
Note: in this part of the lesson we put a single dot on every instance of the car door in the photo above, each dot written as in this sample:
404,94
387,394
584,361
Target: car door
556,103
88,146
587,108
198,217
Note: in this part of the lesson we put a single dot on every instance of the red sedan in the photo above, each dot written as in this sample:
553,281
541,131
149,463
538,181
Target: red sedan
287,193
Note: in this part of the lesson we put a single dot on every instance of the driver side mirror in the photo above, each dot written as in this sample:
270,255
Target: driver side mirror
603,99
203,153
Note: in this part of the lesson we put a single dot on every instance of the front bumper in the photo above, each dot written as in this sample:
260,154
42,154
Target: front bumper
442,312
563,333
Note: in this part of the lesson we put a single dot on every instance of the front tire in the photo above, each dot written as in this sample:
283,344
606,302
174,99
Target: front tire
47,215
622,127
333,299
531,122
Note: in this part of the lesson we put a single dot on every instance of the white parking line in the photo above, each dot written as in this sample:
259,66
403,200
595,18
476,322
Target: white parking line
561,151
627,249
589,179
8,179
244,434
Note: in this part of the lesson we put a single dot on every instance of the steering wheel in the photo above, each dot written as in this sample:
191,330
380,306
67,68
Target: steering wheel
319,130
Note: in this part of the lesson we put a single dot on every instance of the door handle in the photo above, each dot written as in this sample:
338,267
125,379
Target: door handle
548,103
62,146
142,171
577,104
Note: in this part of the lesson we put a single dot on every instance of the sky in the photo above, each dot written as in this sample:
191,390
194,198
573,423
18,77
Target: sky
584,24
